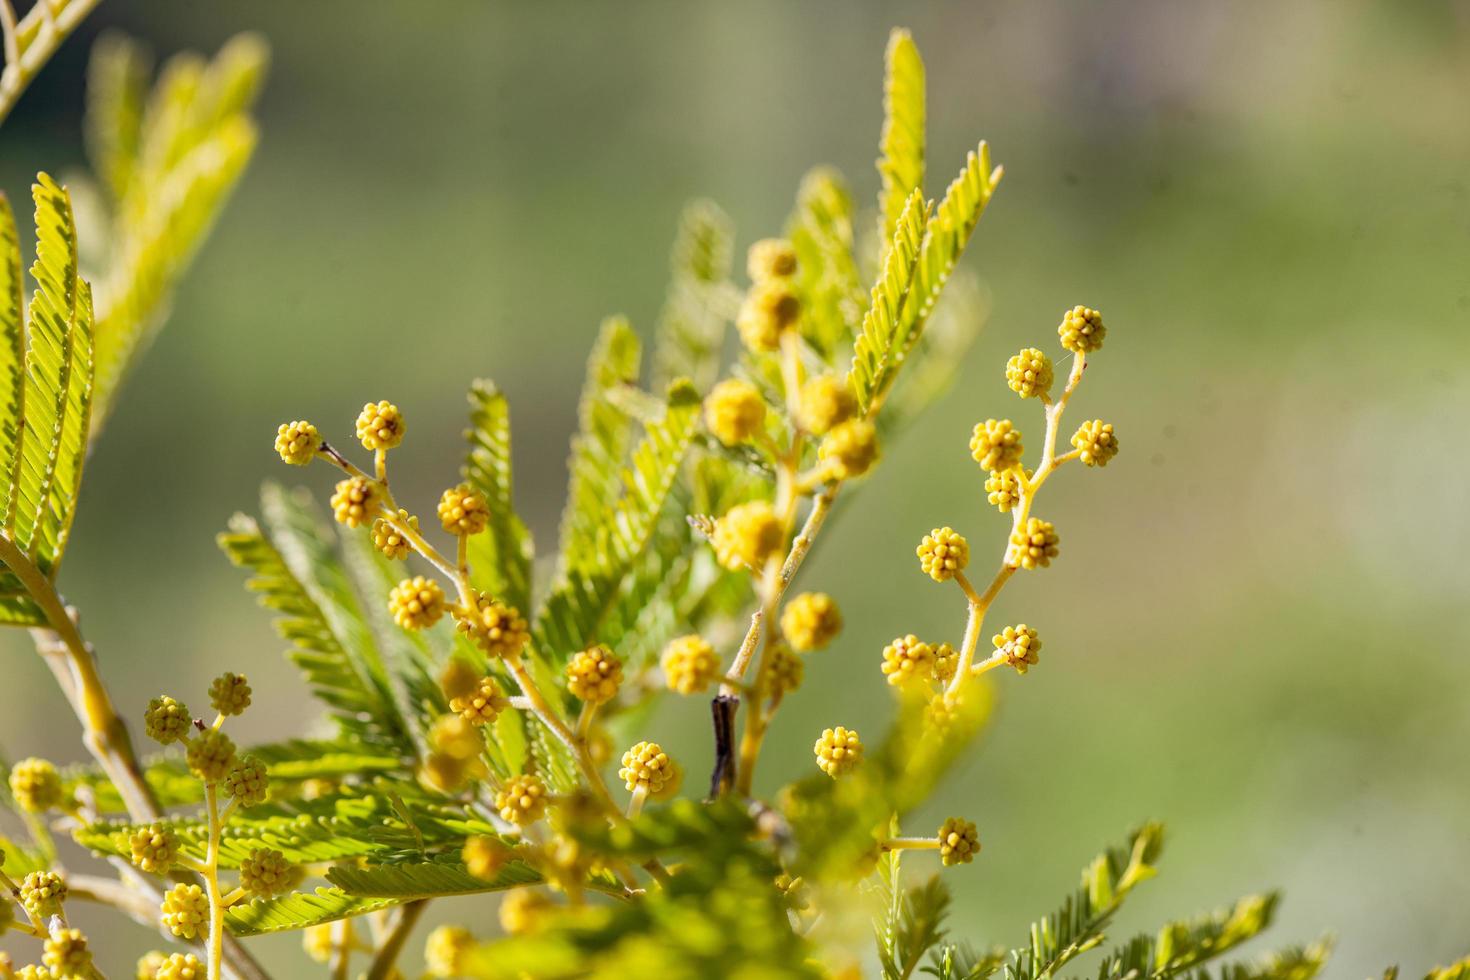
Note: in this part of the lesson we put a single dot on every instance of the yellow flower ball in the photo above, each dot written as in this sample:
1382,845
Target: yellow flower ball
211,755
747,536
485,857
42,893
297,442
248,782
355,501
1033,546
497,629
647,767
229,694
996,445
849,449
523,910
1029,373
380,426
593,675
943,553
838,751
522,799
690,664
166,720
445,950
1095,442
826,401
390,541
770,309
811,621
1019,644
181,966
959,842
464,510
784,672
153,848
266,872
186,911
416,603
734,411
907,659
946,662
65,954
1003,489
483,704
1082,330
36,785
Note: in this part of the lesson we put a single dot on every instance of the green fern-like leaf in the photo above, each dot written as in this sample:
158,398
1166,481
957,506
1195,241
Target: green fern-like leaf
577,610
901,159
827,277
1180,947
501,559
300,910
875,354
701,298
12,359
117,85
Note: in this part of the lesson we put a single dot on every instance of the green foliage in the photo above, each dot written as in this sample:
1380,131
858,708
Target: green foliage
501,559
901,160
701,298
300,910
877,347
167,162
827,277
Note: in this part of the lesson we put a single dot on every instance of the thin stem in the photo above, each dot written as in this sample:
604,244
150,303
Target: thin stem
392,944
978,606
46,33
211,884
911,844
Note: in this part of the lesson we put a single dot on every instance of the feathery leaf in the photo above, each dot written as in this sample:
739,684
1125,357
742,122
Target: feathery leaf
876,352
901,163
501,558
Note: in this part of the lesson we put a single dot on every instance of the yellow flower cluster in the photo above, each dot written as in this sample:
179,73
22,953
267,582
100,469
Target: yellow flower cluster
996,445
770,258
746,536
416,603
445,950
1029,373
36,785
497,629
1003,489
647,767
186,911
825,402
42,893
1033,546
1082,330
296,442
593,675
463,510
523,910
522,799
154,848
247,782
1019,644
849,449
838,751
959,842
181,966
690,664
166,720
770,308
734,411
485,857
355,500
210,755
784,672
229,694
943,553
65,954
482,705
392,542
907,659
811,621
266,872
380,426
1095,442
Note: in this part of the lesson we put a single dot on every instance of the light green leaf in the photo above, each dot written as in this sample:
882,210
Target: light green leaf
427,879
701,299
500,559
12,358
875,354
827,278
901,159
300,910
117,84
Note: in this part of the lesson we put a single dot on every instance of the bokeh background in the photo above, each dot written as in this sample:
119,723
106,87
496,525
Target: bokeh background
1258,630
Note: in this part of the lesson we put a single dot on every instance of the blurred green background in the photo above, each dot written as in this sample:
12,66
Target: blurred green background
1257,631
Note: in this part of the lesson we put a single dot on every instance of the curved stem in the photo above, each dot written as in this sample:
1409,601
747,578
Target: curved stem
392,944
30,43
211,884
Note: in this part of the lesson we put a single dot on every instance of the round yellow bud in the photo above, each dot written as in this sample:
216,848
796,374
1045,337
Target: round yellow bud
297,442
248,782
65,954
996,445
746,536
229,694
646,766
522,799
734,411
959,842
36,785
1095,442
946,662
485,857
458,735
1019,644
482,705
1082,330
593,675
186,911
148,965
458,678
380,426
838,751
154,848
908,659
42,893
445,950
211,755
771,258
943,553
523,910
1029,373
416,603
391,541
811,621
497,629
319,942
784,672
1034,545
181,966
690,664
166,720
1003,489
355,501
826,401
770,308
266,872
849,449
464,510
